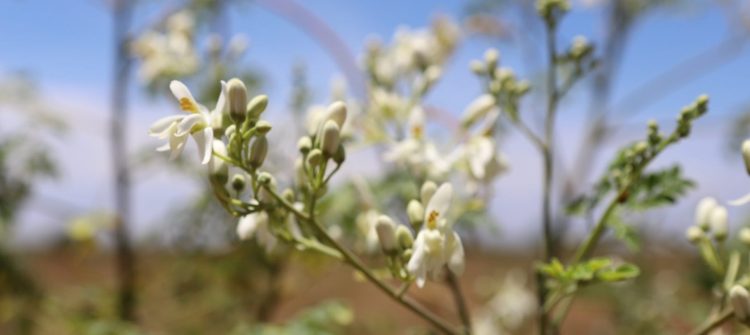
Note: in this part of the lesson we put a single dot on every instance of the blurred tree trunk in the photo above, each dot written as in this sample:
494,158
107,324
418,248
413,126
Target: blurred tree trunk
124,256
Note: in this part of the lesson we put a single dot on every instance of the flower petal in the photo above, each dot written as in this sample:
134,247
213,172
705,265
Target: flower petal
247,226
176,145
161,127
204,139
439,203
183,95
188,122
456,260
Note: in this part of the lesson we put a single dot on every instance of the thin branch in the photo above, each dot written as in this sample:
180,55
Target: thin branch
714,322
355,262
460,300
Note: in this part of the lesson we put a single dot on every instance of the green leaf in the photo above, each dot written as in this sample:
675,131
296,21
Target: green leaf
620,273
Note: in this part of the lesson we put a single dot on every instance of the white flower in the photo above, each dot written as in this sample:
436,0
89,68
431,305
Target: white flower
417,152
437,245
256,225
197,123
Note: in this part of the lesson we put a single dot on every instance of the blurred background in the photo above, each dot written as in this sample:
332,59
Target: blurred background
99,234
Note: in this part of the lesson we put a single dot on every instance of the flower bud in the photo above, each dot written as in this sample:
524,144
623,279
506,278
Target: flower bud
415,212
330,140
238,182
432,74
337,112
477,67
428,189
230,131
746,154
237,98
719,223
263,127
478,108
304,144
703,212
340,155
217,167
256,106
404,237
288,195
491,57
265,178
744,236
386,234
315,157
694,234
249,223
258,151
740,300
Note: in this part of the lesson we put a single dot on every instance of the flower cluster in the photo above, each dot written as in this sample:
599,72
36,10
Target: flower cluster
168,53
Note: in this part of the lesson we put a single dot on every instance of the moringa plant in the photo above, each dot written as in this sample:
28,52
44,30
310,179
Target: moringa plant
284,211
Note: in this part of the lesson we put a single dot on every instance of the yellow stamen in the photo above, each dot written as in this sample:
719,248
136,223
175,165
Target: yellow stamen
432,219
186,104
417,132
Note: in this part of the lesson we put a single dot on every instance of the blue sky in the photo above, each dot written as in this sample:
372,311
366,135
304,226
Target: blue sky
67,46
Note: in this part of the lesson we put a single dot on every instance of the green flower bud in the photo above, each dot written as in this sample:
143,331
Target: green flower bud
477,67
719,223
304,144
256,106
694,234
230,131
315,157
746,154
340,155
237,98
258,151
288,195
404,237
330,141
238,182
745,236
263,127
428,189
264,178
415,212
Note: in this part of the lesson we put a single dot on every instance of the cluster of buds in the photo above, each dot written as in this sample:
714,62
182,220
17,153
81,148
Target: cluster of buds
552,10
710,218
631,161
322,145
501,84
711,229
232,136
396,242
579,56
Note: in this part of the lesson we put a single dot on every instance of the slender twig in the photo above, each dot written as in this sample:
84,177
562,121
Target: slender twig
548,160
460,300
713,322
355,262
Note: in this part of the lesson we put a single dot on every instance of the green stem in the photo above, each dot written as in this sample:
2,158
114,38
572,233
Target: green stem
355,262
548,158
713,322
